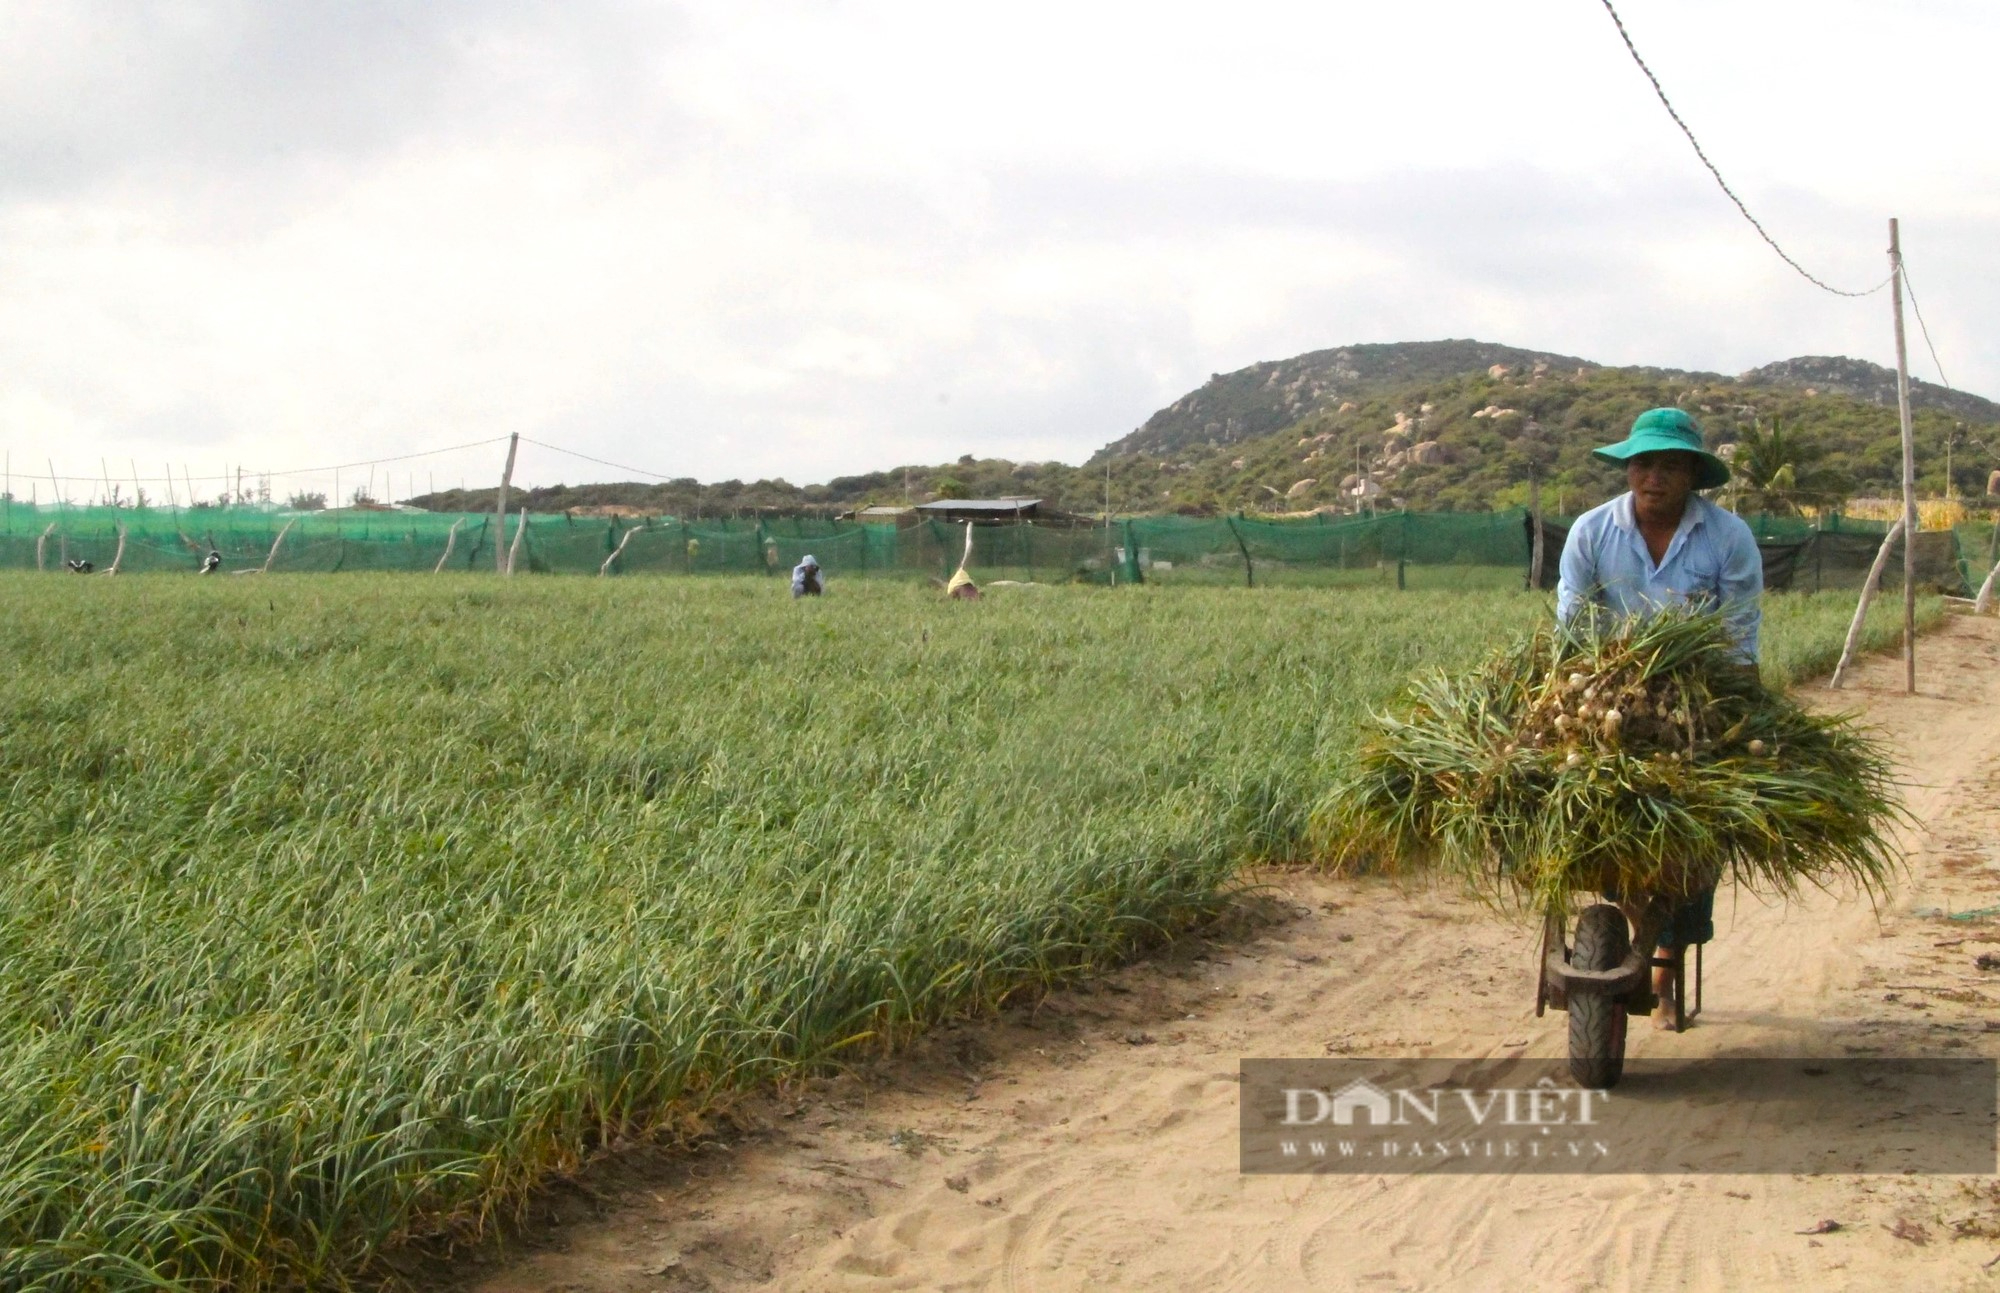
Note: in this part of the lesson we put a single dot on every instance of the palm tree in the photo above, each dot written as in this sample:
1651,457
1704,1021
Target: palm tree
1774,472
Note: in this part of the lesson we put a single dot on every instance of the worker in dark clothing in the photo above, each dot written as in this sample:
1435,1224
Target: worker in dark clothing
805,578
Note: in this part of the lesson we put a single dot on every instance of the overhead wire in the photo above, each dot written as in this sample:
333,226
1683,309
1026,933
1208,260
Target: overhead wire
1918,310
299,471
619,466
1727,191
371,462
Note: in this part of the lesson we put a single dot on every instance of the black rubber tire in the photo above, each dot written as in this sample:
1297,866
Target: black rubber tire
1596,1021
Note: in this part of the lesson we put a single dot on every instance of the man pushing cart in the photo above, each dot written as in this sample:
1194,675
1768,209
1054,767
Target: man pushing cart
1657,545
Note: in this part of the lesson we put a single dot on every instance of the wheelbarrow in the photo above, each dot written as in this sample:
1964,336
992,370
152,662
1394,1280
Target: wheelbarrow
1604,977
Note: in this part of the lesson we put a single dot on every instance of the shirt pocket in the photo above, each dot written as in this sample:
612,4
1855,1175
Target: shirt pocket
1700,570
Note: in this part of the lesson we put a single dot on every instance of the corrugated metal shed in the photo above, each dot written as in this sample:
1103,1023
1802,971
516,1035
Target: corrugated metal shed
980,508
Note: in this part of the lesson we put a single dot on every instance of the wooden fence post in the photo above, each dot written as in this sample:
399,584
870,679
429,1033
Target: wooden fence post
503,560
605,569
514,550
272,555
450,538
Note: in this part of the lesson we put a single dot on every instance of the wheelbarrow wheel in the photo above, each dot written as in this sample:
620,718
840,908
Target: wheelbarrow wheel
1597,1021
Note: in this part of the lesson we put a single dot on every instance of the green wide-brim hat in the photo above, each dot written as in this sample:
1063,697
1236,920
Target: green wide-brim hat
1659,429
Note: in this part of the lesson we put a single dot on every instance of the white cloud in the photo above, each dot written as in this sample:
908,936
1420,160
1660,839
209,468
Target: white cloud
757,239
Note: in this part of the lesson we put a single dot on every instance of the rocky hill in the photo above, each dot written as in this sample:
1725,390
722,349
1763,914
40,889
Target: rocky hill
1438,425
1260,399
1839,375
1472,441
1251,402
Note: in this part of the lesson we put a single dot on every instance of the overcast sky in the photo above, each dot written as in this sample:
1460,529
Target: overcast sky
746,239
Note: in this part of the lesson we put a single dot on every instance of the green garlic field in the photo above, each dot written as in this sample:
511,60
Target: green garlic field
338,908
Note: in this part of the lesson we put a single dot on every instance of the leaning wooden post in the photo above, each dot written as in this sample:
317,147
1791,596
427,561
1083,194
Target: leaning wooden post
1249,571
450,537
118,556
514,549
1909,468
605,569
1984,602
42,547
1867,596
502,560
272,555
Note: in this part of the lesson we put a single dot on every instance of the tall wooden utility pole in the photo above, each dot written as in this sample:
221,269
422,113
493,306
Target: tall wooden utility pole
1909,467
507,479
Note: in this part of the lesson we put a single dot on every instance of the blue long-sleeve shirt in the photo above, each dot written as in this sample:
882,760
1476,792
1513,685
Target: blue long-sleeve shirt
1712,564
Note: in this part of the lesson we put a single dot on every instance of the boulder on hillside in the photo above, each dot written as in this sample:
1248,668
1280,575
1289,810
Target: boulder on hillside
1347,406
1394,443
1993,484
1300,487
1497,371
1429,454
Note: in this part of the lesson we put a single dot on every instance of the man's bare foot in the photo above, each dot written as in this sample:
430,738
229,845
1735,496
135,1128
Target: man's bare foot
1663,988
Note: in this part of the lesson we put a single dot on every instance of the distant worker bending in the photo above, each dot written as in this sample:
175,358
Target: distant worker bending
805,578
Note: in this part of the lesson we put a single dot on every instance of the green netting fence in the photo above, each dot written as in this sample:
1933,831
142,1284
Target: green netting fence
1399,549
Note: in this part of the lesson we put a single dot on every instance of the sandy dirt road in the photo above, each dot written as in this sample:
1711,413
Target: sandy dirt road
1090,1141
